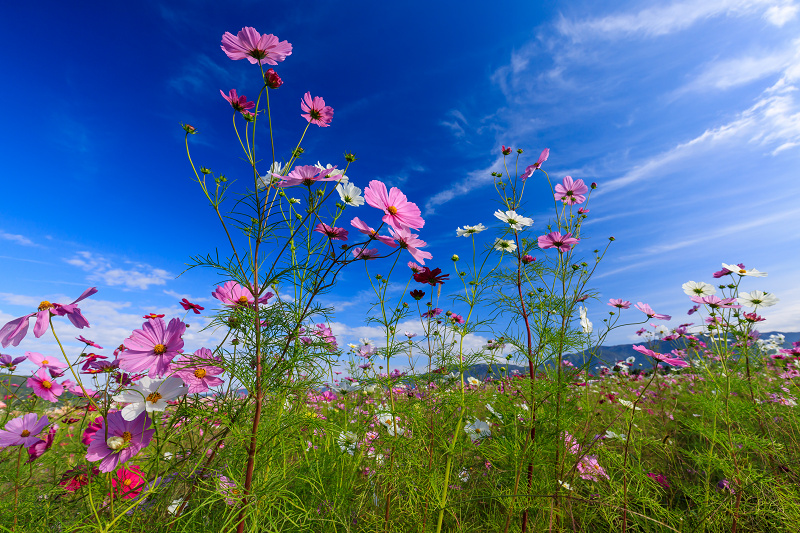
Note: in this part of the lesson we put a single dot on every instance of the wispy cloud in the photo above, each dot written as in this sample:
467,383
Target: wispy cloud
19,239
140,276
674,17
473,180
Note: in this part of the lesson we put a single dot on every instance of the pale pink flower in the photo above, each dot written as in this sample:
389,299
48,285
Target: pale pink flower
198,372
619,303
305,175
715,302
315,111
555,240
332,233
48,362
363,228
256,48
674,361
399,212
590,469
646,309
571,192
153,347
233,294
409,241
365,253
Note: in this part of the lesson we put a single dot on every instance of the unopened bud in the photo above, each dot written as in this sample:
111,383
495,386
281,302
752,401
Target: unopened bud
454,258
272,79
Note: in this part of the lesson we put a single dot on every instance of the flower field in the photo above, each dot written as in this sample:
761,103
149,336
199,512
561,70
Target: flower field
279,428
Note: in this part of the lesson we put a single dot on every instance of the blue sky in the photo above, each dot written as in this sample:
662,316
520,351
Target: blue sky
686,114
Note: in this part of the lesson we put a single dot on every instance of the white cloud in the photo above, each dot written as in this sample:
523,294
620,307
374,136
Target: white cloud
19,239
671,18
141,276
472,181
722,75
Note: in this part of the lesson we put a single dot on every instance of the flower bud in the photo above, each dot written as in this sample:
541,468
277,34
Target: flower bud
612,239
272,79
594,185
188,128
349,157
506,151
115,443
527,259
454,258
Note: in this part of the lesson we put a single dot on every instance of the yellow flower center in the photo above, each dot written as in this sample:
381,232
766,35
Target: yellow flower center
159,349
46,384
25,433
392,210
46,362
242,300
126,436
742,271
45,305
200,373
154,397
127,482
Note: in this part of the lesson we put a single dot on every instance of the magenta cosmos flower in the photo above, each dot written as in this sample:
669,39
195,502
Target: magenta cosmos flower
44,387
23,431
128,483
409,241
334,234
646,309
232,294
363,228
198,371
238,103
532,168
674,361
256,48
13,332
305,175
399,212
153,347
571,192
125,439
556,240
186,304
315,111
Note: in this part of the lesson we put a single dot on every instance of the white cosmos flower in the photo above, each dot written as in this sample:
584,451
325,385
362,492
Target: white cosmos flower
150,395
264,181
348,442
491,410
335,172
628,404
473,381
513,219
469,230
757,299
389,422
585,323
698,288
350,194
504,246
477,430
742,272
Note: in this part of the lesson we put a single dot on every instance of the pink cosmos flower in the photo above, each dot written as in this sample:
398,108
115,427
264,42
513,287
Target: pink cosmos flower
334,234
365,253
571,192
590,469
81,338
47,362
128,483
232,294
125,439
674,361
715,302
305,175
399,212
6,361
556,240
13,332
409,241
198,372
315,111
363,228
228,489
23,431
532,168
646,309
91,429
44,387
619,303
256,48
238,103
415,268
153,347
38,449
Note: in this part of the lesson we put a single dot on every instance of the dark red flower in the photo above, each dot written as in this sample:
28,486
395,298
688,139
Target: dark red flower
153,316
417,294
431,277
189,305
